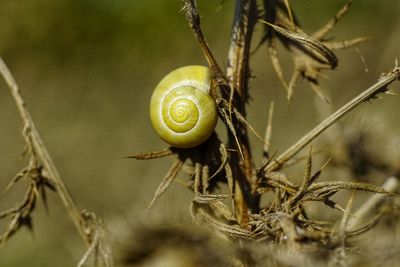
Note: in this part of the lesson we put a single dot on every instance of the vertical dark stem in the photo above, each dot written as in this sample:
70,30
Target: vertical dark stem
238,76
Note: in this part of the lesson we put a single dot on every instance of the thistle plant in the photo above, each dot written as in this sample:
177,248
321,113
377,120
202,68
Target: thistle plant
256,211
284,220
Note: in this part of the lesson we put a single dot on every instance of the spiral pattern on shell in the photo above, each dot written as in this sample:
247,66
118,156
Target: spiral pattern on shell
181,110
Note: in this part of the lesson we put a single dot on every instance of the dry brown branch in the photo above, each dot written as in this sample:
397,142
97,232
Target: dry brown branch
36,146
41,151
283,220
238,73
233,87
193,18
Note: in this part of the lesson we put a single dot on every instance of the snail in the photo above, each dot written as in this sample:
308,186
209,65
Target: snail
182,111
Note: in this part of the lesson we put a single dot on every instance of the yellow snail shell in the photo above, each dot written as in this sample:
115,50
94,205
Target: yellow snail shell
181,110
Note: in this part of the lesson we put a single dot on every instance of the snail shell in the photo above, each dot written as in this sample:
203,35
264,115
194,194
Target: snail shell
181,110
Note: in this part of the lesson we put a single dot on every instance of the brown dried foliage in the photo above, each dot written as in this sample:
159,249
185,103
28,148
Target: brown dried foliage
283,220
239,216
42,174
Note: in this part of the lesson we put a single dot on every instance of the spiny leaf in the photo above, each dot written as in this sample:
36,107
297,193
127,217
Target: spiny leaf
324,190
293,82
154,155
224,160
205,178
207,199
315,47
167,180
232,130
273,55
289,11
323,31
221,209
11,229
230,230
214,203
278,183
317,89
345,218
337,185
197,178
17,177
347,43
306,182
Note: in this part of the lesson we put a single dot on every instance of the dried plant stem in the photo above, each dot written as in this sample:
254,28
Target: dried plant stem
193,18
90,250
368,94
237,73
391,185
43,155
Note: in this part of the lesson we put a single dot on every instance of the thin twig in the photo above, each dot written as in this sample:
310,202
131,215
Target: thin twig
268,131
90,250
193,18
41,152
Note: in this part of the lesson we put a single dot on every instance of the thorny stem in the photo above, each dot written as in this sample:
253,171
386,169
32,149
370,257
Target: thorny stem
234,86
237,73
234,89
193,18
42,153
371,92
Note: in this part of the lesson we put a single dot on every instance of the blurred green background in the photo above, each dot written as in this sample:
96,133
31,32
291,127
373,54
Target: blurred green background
87,69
